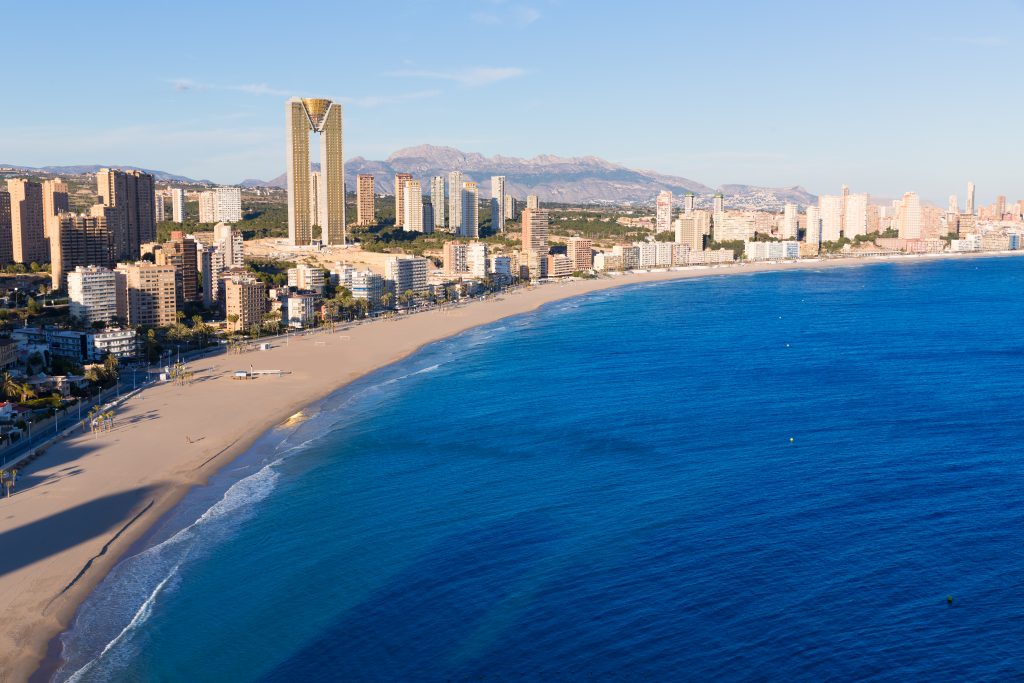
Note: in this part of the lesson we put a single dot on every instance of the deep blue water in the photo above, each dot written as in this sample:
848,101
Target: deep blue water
607,490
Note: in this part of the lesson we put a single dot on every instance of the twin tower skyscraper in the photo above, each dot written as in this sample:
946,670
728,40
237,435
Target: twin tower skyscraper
315,199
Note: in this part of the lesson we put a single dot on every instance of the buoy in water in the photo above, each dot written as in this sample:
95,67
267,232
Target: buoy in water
949,599
791,439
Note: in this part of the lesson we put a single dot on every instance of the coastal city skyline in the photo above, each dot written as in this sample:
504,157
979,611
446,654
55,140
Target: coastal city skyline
765,117
303,375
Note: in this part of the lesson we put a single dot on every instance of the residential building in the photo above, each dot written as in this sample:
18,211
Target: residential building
790,222
132,196
298,310
6,246
230,243
559,265
121,343
78,241
412,198
510,207
455,258
307,278
400,180
663,212
970,199
718,203
476,259
369,286
772,251
245,302
207,207
324,118
532,202
535,230
437,200
733,227
812,233
159,208
180,253
147,294
908,218
407,273
470,212
688,232
831,207
365,212
92,294
581,252
688,200
28,235
498,203
211,267
455,181
428,215
178,205
55,202
856,215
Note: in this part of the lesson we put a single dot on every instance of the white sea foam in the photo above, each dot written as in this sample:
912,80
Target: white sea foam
134,585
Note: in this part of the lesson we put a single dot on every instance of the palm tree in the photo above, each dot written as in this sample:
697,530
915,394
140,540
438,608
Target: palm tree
9,385
386,298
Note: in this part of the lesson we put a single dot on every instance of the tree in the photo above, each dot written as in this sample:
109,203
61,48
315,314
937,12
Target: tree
386,298
110,366
9,385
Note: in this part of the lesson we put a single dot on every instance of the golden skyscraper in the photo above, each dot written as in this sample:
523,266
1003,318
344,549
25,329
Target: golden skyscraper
302,117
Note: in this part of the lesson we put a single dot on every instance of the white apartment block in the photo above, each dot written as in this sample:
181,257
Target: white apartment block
476,259
307,278
412,194
92,294
437,199
408,273
663,212
178,205
771,251
831,207
498,203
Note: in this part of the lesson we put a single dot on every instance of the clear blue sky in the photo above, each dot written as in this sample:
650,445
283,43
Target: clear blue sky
884,96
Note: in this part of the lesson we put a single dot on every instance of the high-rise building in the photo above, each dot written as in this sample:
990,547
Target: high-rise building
970,198
304,116
498,203
790,222
178,205
92,294
812,234
663,212
532,202
1000,207
831,207
856,215
229,204
688,232
718,203
365,215
581,251
211,267
455,257
229,242
470,212
132,195
954,205
245,302
412,197
159,208
428,215
55,202
369,286
455,201
908,218
79,241
535,230
6,248
180,253
146,294
476,259
437,199
400,180
407,273
688,199
510,207
307,278
207,207
28,238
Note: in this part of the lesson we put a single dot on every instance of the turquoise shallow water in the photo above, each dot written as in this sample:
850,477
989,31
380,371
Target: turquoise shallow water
606,489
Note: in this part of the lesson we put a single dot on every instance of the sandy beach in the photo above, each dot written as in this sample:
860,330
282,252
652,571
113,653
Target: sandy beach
81,505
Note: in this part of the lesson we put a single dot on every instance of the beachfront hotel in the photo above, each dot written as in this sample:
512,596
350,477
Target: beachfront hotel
146,294
304,116
365,215
245,302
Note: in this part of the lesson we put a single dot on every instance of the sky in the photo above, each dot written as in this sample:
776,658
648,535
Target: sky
885,97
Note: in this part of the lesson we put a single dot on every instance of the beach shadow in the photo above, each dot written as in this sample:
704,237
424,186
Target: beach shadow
38,540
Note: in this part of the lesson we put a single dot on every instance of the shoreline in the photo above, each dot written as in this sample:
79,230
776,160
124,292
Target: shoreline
91,498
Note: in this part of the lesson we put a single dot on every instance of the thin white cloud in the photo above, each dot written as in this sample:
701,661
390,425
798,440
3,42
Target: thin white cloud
187,84
980,41
472,77
371,101
503,13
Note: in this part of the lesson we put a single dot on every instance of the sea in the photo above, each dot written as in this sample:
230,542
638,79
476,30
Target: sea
810,475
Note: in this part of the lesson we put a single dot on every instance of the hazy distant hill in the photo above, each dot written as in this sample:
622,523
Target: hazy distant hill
92,168
575,180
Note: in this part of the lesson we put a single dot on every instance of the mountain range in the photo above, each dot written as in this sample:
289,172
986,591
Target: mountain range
570,180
